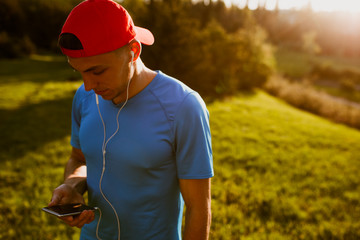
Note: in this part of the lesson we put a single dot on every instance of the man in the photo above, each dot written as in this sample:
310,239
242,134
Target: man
143,147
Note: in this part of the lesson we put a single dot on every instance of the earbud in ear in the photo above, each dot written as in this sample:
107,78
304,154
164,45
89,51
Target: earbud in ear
132,54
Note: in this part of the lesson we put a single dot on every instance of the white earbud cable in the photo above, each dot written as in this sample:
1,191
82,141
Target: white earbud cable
105,142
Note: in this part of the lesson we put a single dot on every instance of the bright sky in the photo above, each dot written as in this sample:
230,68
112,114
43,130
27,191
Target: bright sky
317,5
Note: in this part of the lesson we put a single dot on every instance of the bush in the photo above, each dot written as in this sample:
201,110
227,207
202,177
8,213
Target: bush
347,85
320,103
226,63
324,72
329,73
254,57
211,70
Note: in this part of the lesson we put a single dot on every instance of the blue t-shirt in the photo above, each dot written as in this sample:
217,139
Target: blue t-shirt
163,136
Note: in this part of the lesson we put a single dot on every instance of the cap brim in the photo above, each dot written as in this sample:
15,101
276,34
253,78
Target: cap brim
144,36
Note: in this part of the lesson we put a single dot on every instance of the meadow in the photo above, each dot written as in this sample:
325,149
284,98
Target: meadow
280,173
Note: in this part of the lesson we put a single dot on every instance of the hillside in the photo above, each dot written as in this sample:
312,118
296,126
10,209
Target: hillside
280,173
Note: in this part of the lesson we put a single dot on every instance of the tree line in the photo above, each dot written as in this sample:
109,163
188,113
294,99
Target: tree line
214,49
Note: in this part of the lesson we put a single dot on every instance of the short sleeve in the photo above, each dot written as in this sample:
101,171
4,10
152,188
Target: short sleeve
76,119
193,139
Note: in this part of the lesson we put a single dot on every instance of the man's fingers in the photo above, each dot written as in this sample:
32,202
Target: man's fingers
79,221
85,218
68,219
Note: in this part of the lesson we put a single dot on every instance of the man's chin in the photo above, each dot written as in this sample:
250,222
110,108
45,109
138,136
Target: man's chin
104,96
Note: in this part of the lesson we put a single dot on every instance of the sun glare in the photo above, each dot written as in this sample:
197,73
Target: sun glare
316,5
336,5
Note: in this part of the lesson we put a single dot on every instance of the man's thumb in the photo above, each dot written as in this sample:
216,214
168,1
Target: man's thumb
55,200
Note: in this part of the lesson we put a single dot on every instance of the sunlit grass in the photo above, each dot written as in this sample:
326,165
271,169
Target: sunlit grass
35,106
30,81
282,173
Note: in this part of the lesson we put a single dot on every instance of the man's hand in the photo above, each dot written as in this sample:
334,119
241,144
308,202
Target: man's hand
65,194
73,188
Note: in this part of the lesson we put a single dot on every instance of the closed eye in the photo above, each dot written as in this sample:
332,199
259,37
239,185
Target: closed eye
99,72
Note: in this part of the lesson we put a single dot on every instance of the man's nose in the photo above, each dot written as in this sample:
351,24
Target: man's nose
89,83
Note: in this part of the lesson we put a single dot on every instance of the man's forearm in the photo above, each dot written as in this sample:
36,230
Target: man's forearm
75,175
197,224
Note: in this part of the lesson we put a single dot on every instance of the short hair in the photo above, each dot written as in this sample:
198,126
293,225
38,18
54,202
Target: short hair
70,41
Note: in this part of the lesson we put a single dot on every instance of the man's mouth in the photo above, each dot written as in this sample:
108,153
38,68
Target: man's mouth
100,92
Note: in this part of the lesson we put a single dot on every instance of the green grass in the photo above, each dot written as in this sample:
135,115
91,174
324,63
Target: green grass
35,125
280,173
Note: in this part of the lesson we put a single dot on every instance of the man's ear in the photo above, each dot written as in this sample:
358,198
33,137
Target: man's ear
135,46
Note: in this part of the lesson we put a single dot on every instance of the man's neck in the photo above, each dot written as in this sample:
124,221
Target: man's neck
142,76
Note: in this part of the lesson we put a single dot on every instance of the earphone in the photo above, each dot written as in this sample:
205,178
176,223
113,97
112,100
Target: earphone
105,142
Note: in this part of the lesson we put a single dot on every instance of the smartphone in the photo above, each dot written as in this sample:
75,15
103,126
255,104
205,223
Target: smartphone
67,209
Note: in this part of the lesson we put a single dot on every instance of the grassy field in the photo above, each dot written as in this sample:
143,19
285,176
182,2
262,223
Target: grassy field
35,121
280,173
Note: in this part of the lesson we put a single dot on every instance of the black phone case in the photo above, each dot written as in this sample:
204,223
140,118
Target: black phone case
67,209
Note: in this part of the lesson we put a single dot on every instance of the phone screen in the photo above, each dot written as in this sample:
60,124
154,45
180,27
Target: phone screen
67,209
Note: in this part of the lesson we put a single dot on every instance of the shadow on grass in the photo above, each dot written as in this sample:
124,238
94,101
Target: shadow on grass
29,127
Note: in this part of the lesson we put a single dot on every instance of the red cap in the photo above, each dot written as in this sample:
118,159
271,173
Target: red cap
102,26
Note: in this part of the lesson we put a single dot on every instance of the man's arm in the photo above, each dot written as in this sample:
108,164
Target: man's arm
197,197
73,188
75,171
74,185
